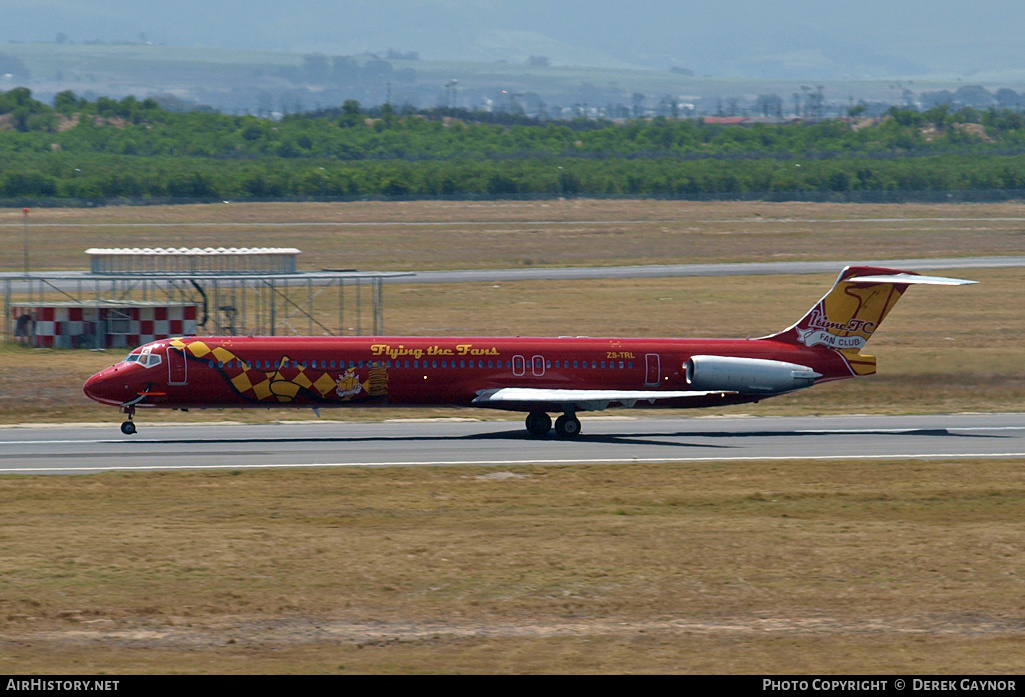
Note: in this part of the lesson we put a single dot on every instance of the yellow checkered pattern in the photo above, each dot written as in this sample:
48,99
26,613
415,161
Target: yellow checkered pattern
282,384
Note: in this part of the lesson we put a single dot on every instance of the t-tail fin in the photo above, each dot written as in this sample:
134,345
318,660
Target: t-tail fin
847,316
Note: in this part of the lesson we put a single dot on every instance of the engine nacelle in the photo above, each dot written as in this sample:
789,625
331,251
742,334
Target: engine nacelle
747,375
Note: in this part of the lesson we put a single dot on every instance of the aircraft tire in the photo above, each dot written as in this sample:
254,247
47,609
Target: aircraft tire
567,426
128,428
538,423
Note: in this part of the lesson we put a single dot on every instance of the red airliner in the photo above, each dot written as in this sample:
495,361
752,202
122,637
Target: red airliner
532,375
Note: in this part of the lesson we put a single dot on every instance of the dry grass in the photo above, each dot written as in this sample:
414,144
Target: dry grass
459,234
781,568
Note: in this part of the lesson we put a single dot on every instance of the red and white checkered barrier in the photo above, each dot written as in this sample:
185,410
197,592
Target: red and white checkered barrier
88,325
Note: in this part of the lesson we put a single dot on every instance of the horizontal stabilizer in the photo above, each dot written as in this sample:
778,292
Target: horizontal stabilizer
584,400
909,279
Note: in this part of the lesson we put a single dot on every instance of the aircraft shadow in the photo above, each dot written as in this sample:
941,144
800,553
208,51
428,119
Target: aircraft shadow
669,439
933,432
506,436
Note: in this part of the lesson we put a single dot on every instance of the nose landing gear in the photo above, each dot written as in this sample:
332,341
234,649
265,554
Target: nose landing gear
128,427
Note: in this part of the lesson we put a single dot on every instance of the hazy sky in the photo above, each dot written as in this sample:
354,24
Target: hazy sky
727,37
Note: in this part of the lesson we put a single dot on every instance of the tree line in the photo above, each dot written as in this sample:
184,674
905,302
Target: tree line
136,149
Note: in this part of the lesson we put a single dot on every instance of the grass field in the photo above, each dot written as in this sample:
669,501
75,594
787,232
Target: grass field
504,234
785,567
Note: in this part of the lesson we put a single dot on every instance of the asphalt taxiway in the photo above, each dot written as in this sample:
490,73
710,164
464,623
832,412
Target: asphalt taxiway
85,449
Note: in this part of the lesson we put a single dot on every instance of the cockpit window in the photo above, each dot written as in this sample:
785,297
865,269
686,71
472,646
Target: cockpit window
147,359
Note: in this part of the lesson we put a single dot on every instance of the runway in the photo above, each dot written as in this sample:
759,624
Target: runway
71,281
767,268
405,443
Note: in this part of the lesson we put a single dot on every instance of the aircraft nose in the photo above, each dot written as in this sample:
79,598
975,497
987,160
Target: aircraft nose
106,388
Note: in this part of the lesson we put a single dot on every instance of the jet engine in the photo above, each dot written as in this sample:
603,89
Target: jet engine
747,375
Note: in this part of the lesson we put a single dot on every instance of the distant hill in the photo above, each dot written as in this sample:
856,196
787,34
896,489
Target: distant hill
778,40
275,82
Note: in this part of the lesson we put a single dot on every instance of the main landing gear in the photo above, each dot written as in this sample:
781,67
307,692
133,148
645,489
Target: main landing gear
566,426
128,427
538,423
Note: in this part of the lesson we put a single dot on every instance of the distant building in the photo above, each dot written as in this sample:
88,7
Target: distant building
728,120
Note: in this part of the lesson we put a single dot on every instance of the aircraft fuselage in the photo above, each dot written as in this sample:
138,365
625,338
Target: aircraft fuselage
530,374
262,372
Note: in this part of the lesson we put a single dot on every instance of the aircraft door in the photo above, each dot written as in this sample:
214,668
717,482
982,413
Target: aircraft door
652,369
518,365
177,366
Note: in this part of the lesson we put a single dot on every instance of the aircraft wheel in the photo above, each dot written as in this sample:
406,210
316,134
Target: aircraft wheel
128,428
538,423
567,426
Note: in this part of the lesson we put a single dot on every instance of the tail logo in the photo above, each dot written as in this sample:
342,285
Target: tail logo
822,332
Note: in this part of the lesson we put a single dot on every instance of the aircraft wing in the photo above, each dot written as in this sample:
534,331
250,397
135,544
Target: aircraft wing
582,400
